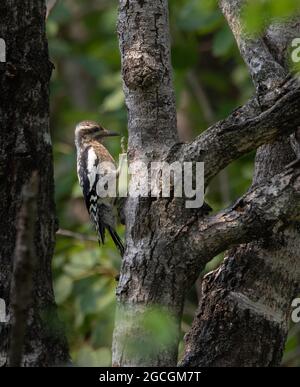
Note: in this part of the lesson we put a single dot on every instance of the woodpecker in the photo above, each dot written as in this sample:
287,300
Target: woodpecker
90,154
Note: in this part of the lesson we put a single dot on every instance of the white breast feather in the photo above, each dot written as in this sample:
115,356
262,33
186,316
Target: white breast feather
91,166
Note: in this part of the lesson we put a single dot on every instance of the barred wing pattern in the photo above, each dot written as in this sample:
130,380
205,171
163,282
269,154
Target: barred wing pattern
94,178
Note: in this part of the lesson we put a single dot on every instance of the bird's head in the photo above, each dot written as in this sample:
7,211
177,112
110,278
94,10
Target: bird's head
89,130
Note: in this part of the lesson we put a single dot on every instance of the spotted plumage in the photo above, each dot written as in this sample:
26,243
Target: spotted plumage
93,175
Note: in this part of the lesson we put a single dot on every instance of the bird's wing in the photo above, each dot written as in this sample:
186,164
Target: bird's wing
95,177
86,164
88,178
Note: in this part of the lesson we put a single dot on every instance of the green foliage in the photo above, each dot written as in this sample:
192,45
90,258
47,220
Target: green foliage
159,327
259,13
223,41
86,84
197,16
89,357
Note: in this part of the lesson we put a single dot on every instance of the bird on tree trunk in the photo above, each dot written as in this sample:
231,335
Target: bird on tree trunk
96,171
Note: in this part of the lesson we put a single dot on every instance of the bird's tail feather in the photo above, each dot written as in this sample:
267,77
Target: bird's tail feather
117,240
101,232
101,226
93,210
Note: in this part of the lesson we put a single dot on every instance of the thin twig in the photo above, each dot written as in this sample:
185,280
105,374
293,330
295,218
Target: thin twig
76,235
201,97
50,6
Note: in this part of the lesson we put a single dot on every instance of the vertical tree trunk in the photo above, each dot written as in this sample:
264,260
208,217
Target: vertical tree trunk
26,147
144,282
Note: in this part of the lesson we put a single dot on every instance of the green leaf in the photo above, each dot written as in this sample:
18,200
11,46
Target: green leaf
63,286
195,16
255,16
223,41
113,102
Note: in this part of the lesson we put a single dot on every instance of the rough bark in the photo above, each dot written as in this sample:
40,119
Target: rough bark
26,147
24,263
144,280
168,245
243,316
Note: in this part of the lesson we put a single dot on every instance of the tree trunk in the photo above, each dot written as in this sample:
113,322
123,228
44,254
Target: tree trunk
144,43
25,148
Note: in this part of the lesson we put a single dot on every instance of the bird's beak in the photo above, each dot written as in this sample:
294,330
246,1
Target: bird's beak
107,133
104,133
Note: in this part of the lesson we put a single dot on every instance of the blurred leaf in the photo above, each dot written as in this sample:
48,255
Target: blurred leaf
59,48
257,14
88,357
159,327
52,28
60,13
93,295
196,17
184,55
63,286
113,102
223,41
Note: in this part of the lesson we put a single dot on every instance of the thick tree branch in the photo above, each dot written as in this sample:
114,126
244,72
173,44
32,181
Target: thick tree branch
248,298
244,130
266,72
264,208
